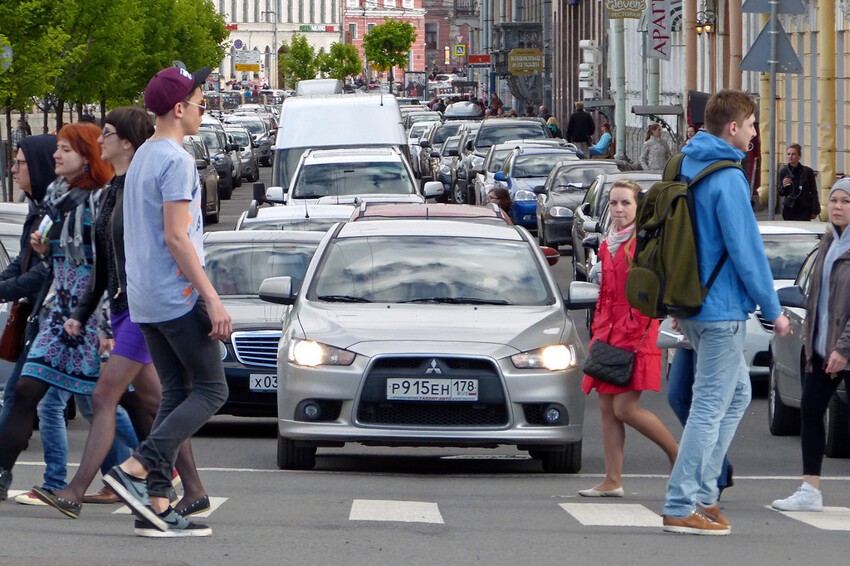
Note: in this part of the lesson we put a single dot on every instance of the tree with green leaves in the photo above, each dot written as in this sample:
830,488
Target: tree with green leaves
298,61
341,62
387,45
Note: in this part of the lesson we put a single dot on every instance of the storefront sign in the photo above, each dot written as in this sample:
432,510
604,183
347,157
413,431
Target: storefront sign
659,29
525,62
620,9
308,27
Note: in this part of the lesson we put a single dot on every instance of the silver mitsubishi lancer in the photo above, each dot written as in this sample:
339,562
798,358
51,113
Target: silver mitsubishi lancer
430,332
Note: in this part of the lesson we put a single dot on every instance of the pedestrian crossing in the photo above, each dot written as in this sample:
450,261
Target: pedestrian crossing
587,514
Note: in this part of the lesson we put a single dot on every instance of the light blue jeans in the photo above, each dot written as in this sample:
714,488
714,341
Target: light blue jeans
721,394
54,440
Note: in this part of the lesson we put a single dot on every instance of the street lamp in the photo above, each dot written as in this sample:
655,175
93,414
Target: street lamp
275,71
705,21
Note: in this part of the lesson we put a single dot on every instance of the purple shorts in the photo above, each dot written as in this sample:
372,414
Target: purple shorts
129,341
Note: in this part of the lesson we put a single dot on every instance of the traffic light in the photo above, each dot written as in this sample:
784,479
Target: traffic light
588,69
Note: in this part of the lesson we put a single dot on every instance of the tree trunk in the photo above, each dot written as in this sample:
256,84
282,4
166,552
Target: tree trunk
9,156
391,79
60,114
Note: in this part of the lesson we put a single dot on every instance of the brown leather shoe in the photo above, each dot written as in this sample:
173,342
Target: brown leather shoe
694,524
714,514
105,495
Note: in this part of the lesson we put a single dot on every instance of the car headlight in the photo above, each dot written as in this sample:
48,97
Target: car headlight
445,170
560,212
477,162
246,155
554,358
525,195
310,353
222,348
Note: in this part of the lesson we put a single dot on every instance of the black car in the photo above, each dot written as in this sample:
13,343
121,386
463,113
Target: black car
210,200
216,142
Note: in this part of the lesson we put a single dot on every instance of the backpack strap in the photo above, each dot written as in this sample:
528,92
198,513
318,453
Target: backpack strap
673,168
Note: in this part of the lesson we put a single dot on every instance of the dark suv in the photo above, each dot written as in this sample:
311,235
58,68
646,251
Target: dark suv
216,141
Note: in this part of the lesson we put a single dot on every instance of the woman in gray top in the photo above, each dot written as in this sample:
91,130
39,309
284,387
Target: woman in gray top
655,153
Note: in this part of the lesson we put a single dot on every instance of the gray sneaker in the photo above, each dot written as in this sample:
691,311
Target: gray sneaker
134,492
177,527
806,498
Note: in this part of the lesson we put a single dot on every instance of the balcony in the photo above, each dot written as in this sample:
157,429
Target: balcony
466,8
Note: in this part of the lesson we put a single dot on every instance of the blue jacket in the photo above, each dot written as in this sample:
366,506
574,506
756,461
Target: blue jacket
725,220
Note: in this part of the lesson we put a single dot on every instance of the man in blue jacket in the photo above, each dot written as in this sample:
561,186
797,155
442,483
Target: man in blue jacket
721,391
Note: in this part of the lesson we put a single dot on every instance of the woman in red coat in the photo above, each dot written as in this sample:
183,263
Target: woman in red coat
618,324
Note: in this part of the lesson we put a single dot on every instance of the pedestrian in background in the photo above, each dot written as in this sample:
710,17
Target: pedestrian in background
552,124
826,333
797,184
691,132
602,148
580,128
55,358
721,390
170,297
501,197
616,323
18,135
655,153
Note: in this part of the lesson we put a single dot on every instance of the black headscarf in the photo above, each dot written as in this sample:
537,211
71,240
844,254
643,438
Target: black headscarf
39,152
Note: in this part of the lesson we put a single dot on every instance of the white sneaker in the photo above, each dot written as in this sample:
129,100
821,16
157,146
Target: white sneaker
28,498
806,498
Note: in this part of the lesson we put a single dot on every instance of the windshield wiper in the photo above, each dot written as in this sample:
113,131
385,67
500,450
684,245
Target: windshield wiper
343,299
458,301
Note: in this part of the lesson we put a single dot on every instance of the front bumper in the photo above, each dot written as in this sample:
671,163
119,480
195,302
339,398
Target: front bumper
558,230
524,213
241,400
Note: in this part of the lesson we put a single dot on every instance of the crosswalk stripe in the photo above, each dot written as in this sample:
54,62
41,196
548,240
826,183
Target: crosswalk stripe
830,519
215,503
399,511
612,514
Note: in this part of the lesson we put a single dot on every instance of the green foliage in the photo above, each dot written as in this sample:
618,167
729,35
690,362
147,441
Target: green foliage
341,62
387,45
298,61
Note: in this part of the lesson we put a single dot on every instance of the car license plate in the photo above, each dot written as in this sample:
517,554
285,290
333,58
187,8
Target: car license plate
421,389
263,382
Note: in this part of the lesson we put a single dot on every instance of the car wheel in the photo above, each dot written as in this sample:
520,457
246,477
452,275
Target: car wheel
458,194
256,175
837,429
781,419
566,461
213,218
541,233
237,181
225,191
291,457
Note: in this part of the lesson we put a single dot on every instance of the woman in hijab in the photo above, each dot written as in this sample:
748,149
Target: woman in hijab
64,239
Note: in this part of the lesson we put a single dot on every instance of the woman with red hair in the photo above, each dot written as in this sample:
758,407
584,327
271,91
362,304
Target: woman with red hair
64,241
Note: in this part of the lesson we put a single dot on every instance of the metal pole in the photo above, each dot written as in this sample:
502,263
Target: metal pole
771,195
619,54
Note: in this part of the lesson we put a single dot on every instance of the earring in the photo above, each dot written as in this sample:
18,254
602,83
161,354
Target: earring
85,167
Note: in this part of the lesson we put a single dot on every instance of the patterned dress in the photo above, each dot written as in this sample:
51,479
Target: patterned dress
69,362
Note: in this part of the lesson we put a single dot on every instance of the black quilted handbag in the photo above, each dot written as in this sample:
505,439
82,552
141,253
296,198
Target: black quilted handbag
610,364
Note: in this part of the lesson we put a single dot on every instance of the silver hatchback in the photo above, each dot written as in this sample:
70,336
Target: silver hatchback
429,332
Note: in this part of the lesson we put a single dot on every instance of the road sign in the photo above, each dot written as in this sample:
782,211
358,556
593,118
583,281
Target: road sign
238,44
525,62
460,50
758,58
247,60
479,60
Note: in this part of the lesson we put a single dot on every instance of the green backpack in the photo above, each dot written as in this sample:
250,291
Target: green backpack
664,279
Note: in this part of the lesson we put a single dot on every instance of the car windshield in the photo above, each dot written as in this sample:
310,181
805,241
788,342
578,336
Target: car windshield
238,268
450,145
533,166
329,179
501,133
12,243
444,132
417,131
497,159
210,138
254,126
431,269
293,224
787,252
241,137
579,176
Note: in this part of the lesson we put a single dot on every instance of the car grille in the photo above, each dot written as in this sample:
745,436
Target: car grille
258,348
490,410
766,324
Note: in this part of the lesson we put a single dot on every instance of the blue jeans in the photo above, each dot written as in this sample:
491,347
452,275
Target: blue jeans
125,440
721,394
54,440
680,385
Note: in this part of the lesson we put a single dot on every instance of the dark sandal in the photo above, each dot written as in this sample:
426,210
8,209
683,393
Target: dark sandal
197,506
68,508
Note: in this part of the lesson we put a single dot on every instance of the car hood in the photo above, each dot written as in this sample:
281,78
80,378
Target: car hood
254,314
570,200
488,330
526,183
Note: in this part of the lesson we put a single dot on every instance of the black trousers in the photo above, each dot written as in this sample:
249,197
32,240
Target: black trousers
818,388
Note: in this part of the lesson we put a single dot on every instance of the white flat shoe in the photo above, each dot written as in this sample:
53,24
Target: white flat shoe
593,492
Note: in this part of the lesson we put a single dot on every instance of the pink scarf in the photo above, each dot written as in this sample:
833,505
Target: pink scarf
615,238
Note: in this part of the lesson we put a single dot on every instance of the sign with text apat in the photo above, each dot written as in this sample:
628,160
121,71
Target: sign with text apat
659,28
525,62
247,61
621,9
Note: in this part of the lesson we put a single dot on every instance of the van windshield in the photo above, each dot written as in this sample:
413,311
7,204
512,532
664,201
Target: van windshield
346,179
211,139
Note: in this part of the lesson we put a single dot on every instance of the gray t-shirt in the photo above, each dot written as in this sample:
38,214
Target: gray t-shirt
161,171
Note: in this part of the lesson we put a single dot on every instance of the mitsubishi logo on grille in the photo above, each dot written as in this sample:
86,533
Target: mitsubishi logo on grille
434,369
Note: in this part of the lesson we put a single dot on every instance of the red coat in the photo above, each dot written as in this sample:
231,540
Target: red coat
618,324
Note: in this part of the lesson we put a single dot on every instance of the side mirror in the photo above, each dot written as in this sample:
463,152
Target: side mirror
424,144
590,226
452,153
580,295
540,190
792,297
500,176
201,163
277,290
258,191
585,208
551,254
469,145
433,189
435,155
591,242
275,194
229,147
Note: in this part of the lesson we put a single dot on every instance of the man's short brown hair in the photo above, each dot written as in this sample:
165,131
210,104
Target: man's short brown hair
727,106
796,146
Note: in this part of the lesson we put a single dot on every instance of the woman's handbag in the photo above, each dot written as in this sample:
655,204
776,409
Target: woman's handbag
12,342
610,364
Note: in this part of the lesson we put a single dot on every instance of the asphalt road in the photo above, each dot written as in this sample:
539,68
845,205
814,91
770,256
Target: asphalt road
375,506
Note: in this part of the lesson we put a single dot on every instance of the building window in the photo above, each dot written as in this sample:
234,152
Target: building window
352,3
352,31
390,4
431,34
333,11
233,5
312,11
407,4
245,11
369,27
